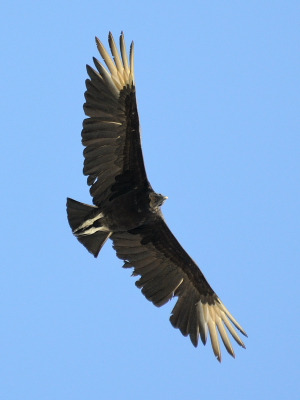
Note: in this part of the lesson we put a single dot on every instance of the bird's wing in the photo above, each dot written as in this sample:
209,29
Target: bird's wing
113,155
166,270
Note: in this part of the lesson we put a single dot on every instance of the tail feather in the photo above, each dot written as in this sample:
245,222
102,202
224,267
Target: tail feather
77,213
94,243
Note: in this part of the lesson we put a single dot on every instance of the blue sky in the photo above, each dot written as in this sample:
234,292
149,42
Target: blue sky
218,94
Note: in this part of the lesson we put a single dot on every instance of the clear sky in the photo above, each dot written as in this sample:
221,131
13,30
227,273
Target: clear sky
218,94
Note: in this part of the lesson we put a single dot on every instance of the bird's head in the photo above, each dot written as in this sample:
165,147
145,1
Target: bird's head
156,200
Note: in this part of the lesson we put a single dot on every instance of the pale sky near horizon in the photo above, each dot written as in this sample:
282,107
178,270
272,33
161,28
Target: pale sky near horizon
218,95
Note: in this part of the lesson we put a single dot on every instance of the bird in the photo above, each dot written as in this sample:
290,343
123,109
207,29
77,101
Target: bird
127,210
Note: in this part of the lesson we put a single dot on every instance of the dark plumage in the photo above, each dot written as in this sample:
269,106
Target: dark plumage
127,210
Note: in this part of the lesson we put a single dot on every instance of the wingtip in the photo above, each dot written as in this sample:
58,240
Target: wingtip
99,45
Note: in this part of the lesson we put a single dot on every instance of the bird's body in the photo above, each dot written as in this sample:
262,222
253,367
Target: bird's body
124,213
127,210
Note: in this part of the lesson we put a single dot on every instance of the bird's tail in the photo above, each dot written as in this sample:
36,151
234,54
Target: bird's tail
85,222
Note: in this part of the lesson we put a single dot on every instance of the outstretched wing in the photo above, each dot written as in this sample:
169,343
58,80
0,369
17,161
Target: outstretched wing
113,155
166,270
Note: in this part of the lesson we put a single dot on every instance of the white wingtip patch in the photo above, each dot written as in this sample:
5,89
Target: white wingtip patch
214,318
118,72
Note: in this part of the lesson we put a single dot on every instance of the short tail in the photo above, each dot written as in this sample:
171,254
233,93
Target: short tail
78,214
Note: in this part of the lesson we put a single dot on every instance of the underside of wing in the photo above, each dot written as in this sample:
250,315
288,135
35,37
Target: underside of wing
166,270
113,155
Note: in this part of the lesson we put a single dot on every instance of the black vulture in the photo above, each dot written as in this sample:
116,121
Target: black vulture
127,210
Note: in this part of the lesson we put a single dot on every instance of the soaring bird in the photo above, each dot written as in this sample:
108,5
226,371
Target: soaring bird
128,211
